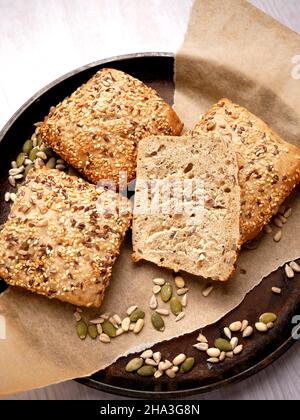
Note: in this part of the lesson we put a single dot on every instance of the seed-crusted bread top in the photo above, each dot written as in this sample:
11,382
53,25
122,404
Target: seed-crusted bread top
201,236
56,243
98,127
269,167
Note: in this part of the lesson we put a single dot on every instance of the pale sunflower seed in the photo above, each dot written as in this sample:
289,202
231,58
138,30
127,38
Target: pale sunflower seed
213,352
184,301
278,236
282,218
150,362
14,164
180,316
170,374
178,360
207,291
289,272
104,338
125,324
276,290
229,354
156,289
238,349
277,222
60,167
12,181
288,213
153,302
222,356
99,329
131,309
175,369
60,161
270,325
97,321
227,332
7,196
113,322
234,342
165,365
159,282
13,197
27,162
131,326
147,354
295,267
202,339
181,292
282,209
248,332
117,319
163,312
139,326
119,332
268,229
42,155
213,360
77,316
158,374
235,326
201,346
261,327
157,357
245,324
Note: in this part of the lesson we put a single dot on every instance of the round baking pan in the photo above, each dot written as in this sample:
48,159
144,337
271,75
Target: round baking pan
157,70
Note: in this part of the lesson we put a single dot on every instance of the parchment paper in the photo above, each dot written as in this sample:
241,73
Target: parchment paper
232,50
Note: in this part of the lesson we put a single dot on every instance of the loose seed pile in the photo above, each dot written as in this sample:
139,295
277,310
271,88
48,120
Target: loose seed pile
107,327
151,364
34,154
278,223
289,270
165,291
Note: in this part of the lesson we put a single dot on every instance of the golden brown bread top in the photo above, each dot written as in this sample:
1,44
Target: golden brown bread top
56,243
269,167
98,127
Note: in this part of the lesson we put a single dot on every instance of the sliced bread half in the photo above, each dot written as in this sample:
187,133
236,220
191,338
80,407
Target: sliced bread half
187,205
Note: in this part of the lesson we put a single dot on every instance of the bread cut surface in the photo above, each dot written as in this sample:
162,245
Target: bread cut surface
202,236
57,243
269,167
97,128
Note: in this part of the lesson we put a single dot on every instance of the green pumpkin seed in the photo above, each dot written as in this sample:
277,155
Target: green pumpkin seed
27,147
48,151
20,159
268,317
176,306
136,315
134,364
51,163
166,292
28,169
157,322
81,329
187,365
39,140
223,345
109,329
33,153
92,331
146,371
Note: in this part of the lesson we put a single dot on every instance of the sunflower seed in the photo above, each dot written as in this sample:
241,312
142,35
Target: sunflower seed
282,218
17,171
99,329
125,324
179,281
201,346
97,321
202,339
270,325
184,301
213,360
150,362
60,167
113,322
289,272
181,292
131,326
180,316
248,332
277,222
131,309
12,181
278,236
153,302
157,357
178,360
229,355
60,161
117,319
261,327
276,290
207,291
77,316
222,356
170,374
295,267
42,155
288,213
238,349
235,326
268,229
7,196
13,197
139,326
227,332
163,312
104,338
158,374
245,324
234,342
39,163
175,369
14,164
119,332
147,354
213,352
159,282
19,176
162,366
156,289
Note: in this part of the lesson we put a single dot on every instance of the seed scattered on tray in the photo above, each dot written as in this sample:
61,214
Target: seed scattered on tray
180,283
202,339
248,332
289,272
227,333
276,290
235,326
278,236
207,291
295,266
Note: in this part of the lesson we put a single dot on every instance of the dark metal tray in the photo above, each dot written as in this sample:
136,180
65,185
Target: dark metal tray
156,69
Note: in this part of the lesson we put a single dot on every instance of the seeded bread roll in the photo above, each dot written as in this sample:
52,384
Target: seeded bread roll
97,129
56,242
202,236
269,167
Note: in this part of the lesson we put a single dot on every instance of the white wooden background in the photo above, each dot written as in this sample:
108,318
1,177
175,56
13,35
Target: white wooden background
41,40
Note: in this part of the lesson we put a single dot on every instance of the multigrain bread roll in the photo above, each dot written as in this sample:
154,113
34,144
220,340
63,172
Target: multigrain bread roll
200,233
269,167
57,242
97,129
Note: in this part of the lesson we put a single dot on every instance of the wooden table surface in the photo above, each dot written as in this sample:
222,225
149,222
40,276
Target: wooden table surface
41,40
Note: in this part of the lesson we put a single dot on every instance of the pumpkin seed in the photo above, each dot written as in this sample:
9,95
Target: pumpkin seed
20,159
238,349
248,332
176,306
166,292
81,329
227,332
261,327
136,315
223,345
33,153
178,360
134,364
159,282
213,352
51,163
146,371
28,169
235,326
170,373
179,281
157,322
109,329
27,147
147,354
139,326
187,365
295,267
92,331
289,272
268,317
153,302
201,346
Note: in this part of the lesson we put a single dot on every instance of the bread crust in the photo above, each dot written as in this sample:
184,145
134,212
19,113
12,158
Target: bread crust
56,243
269,167
97,128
